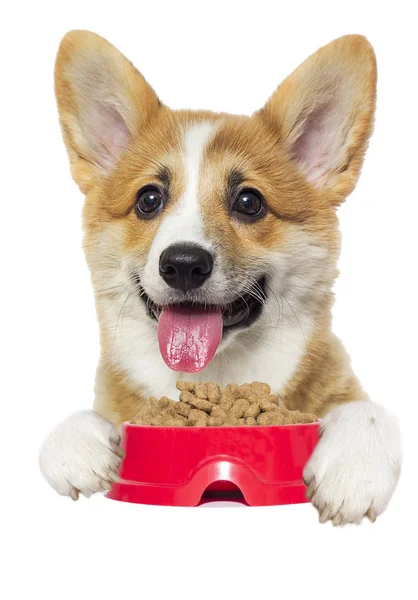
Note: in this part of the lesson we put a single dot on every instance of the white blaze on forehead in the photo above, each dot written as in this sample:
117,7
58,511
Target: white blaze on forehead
195,142
184,223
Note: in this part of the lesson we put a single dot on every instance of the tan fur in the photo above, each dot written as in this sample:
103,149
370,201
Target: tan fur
260,147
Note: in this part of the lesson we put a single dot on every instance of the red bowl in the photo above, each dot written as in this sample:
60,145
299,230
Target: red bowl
185,466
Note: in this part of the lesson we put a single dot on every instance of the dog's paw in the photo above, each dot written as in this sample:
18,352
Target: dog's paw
355,467
81,455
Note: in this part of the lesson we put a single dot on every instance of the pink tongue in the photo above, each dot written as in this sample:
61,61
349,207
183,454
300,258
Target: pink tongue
188,338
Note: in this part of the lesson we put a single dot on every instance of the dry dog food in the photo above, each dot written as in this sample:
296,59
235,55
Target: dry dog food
208,405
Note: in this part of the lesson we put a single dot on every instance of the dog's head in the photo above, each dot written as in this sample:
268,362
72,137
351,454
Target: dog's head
208,225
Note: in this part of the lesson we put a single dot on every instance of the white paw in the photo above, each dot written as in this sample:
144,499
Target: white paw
355,467
81,455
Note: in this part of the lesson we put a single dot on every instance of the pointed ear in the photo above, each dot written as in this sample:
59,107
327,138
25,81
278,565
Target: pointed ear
103,102
323,113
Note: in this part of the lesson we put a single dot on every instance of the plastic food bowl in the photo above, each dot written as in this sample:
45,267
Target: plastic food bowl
186,466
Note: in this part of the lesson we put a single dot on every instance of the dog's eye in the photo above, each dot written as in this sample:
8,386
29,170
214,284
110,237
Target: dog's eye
149,201
248,203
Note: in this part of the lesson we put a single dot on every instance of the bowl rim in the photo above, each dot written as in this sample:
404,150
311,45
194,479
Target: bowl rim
224,427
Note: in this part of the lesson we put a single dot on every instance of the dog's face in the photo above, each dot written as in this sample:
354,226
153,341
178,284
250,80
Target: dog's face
205,224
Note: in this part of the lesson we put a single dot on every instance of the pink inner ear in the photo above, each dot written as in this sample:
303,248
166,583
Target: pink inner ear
317,146
109,134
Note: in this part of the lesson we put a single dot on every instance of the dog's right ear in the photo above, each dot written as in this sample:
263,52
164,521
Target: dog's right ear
323,113
103,102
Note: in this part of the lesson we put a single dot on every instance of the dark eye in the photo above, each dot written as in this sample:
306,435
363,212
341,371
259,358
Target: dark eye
248,203
149,201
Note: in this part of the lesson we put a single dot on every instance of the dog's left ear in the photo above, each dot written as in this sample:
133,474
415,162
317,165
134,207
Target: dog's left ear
323,113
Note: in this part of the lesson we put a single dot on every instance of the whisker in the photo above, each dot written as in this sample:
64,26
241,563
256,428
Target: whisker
295,315
121,312
110,289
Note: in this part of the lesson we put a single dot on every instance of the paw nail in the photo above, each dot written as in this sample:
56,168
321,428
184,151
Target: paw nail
118,451
336,521
310,492
74,494
371,515
324,516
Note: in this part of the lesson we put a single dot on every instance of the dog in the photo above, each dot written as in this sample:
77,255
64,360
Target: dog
212,241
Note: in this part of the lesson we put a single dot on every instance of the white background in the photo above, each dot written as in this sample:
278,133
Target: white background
223,56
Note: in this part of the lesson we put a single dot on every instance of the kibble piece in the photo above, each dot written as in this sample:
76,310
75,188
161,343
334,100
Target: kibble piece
239,407
201,391
255,398
186,396
187,386
164,402
182,408
231,421
217,411
307,418
197,418
215,421
245,390
267,406
293,416
138,420
252,411
227,397
232,387
261,388
157,420
231,391
226,406
201,404
214,393
272,417
273,398
283,411
298,417
171,411
250,421
144,416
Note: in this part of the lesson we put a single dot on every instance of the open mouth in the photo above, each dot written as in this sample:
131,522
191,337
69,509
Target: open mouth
238,314
190,333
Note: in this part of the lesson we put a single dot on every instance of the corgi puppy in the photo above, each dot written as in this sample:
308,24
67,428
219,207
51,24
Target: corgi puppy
212,241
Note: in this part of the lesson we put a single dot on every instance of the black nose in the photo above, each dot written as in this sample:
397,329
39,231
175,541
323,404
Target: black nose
185,266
